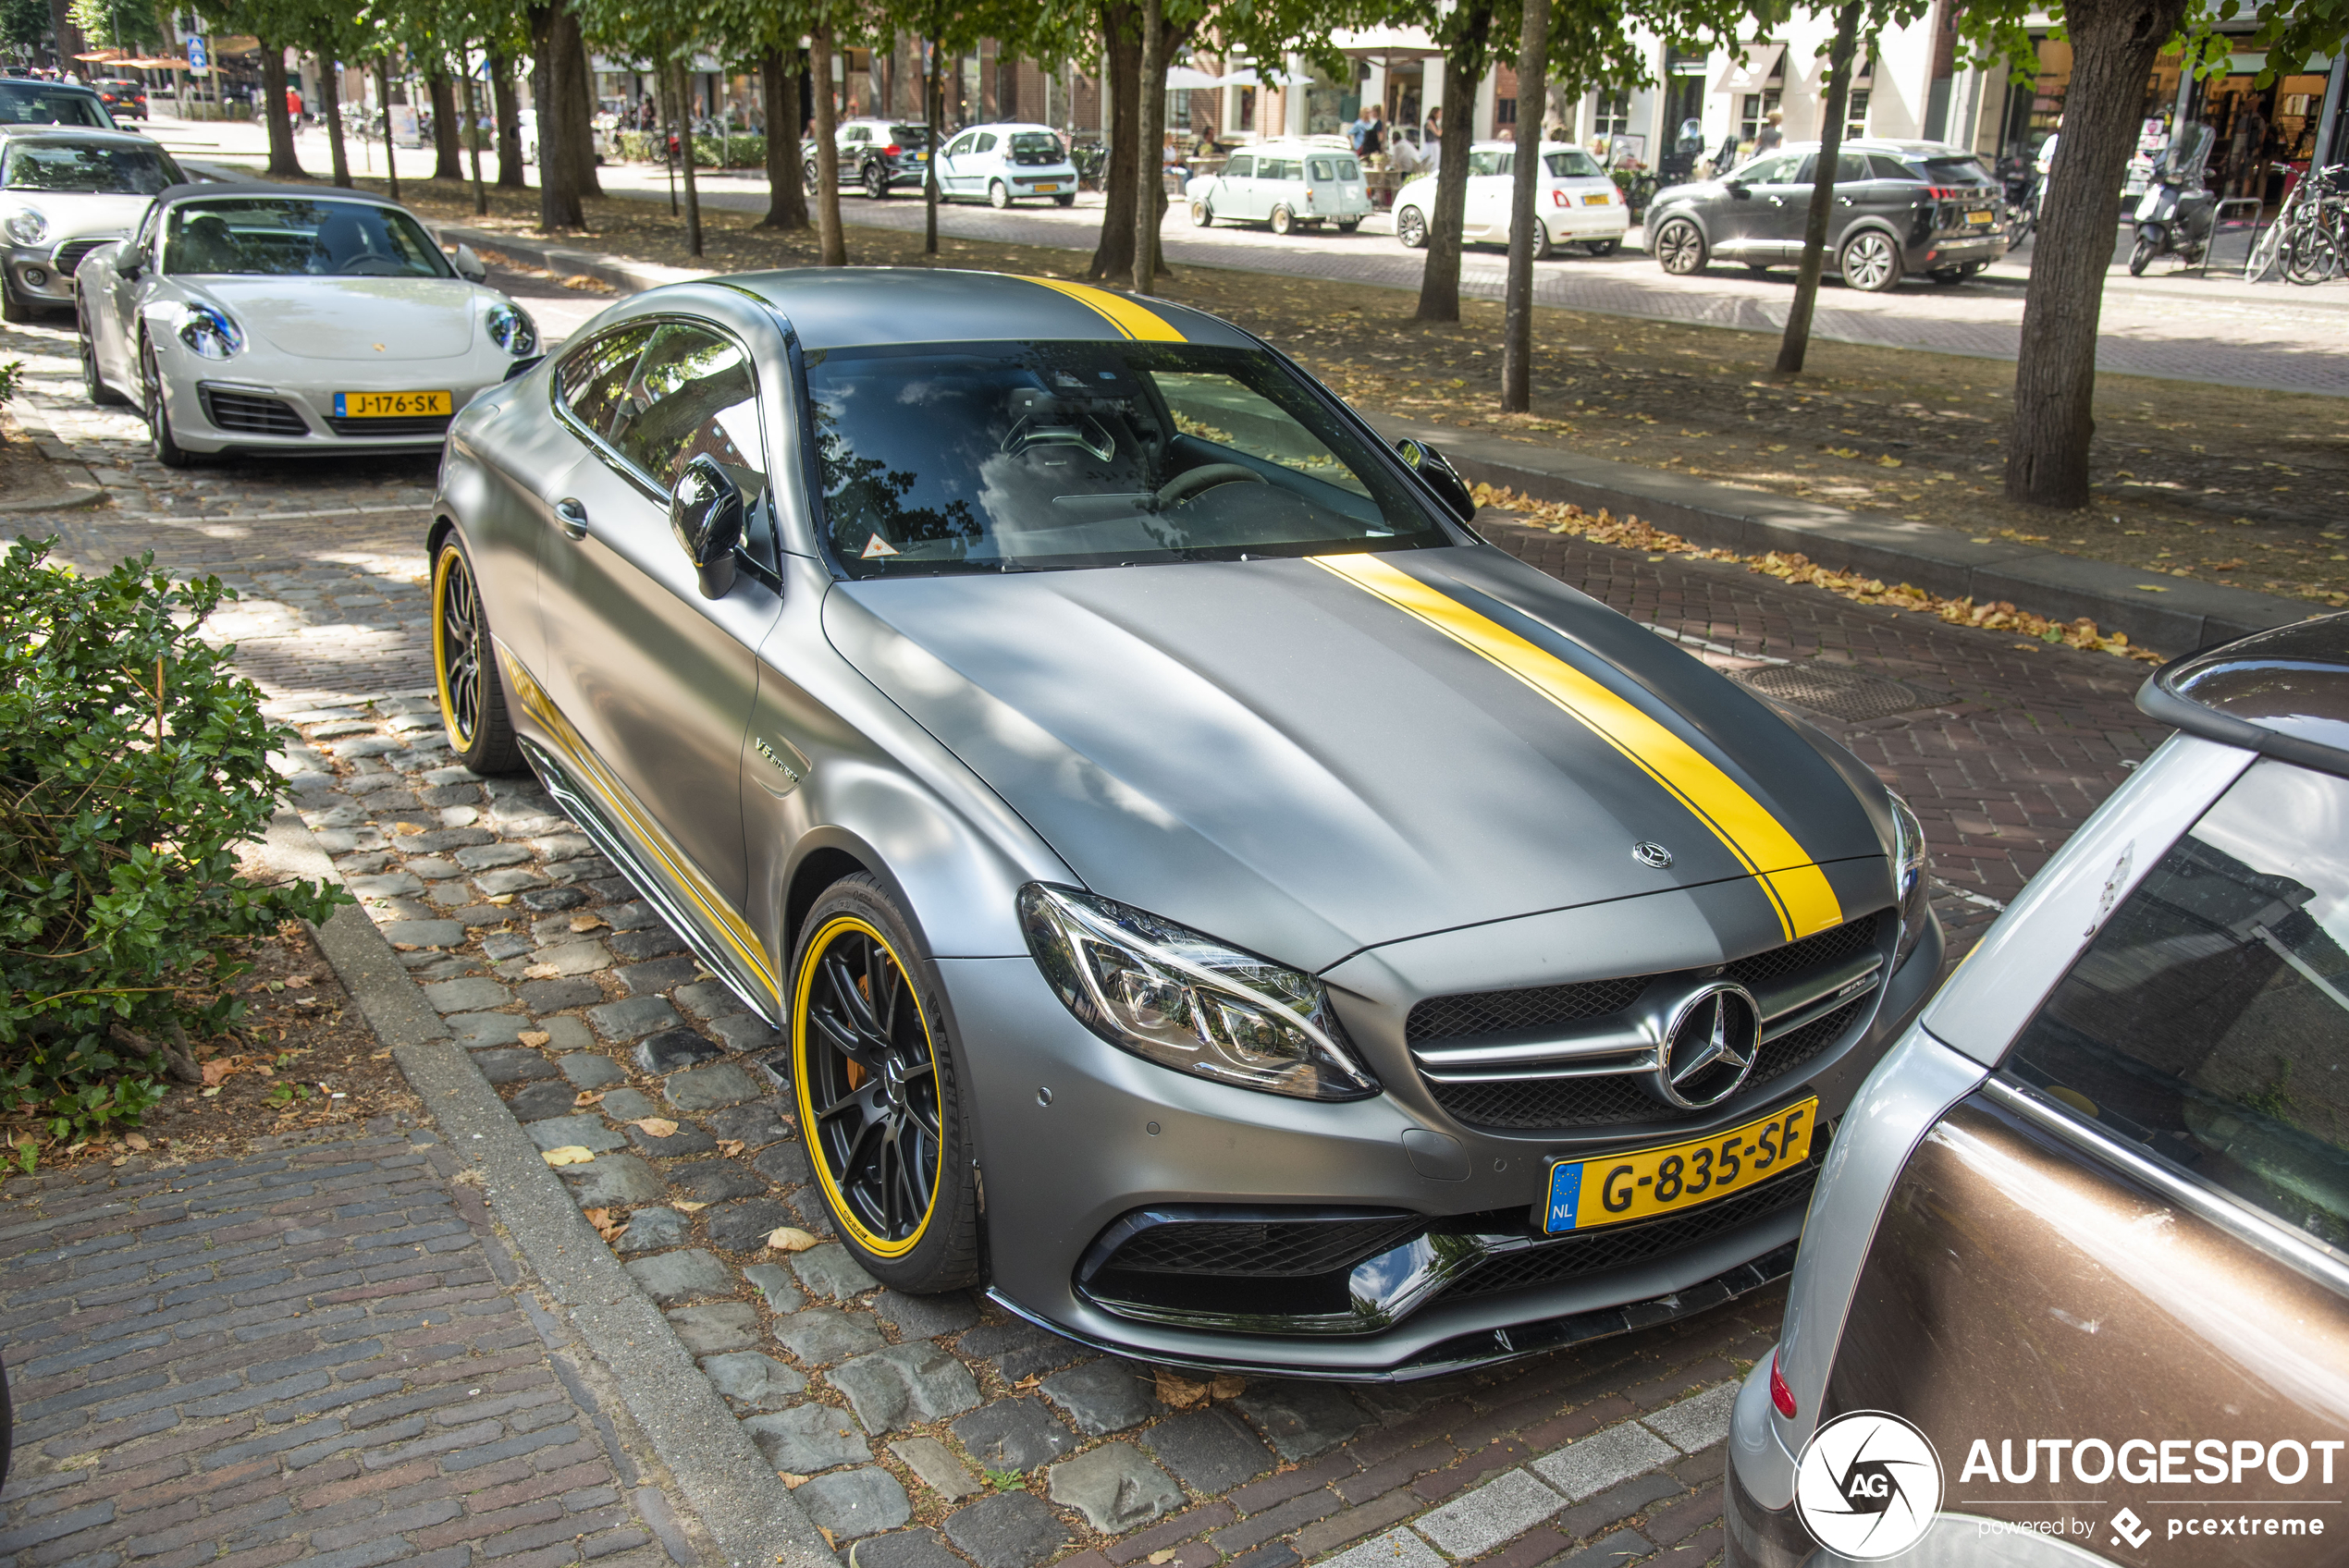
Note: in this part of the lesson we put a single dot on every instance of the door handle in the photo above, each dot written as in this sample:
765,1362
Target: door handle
572,517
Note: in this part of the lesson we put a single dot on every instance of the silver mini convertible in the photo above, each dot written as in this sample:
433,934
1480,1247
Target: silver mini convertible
1208,894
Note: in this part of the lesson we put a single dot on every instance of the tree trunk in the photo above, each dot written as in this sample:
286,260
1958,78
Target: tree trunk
579,109
472,131
1122,43
330,92
2113,45
834,244
449,159
506,104
685,154
558,203
69,38
282,161
1464,64
1517,338
1797,341
1150,190
391,153
933,110
786,188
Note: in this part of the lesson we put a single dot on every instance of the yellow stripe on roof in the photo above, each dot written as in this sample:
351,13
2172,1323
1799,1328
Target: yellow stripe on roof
1118,310
1798,891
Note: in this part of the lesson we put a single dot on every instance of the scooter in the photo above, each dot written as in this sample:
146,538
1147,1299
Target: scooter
2176,214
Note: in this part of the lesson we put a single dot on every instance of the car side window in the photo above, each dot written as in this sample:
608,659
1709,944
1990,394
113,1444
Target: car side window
962,145
1776,169
2209,1021
690,395
1241,166
1850,168
1891,168
594,380
1486,161
986,144
859,133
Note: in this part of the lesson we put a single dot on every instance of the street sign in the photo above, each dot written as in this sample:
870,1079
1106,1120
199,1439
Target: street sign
199,57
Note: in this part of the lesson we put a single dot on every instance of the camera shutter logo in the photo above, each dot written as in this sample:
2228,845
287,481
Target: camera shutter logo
1868,1486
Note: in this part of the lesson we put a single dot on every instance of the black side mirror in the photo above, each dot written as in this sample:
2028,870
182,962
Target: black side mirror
1438,476
706,513
1736,188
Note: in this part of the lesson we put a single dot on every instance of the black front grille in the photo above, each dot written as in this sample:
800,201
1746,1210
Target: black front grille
1274,1249
1765,970
248,413
1502,1013
426,424
1615,1247
69,255
1796,1047
1549,1102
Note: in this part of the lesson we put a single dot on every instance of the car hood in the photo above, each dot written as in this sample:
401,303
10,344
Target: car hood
363,320
1286,755
73,215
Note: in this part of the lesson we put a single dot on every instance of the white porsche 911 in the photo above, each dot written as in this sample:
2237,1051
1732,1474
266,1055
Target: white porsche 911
255,318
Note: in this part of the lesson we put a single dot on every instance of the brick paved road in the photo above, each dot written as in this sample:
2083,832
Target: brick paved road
593,1020
318,1352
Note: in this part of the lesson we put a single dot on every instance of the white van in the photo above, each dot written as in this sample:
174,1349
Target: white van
1283,184
1577,202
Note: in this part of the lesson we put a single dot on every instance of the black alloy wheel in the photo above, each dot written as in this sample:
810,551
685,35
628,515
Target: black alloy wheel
472,698
165,447
1601,247
1680,248
877,1104
93,384
1871,261
875,181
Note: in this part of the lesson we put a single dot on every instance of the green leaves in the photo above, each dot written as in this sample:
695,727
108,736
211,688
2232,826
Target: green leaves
133,761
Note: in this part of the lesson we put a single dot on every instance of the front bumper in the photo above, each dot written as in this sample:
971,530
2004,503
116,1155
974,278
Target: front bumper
1081,1143
214,410
44,272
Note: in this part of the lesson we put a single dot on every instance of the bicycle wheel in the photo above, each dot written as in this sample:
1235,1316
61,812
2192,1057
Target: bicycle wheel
2309,255
2266,251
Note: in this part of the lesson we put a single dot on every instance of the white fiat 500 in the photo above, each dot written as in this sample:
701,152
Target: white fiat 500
254,318
1006,164
1282,185
1576,202
63,193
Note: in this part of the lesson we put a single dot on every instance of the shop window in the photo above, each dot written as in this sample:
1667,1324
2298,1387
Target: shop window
1610,112
1505,111
1754,113
1855,114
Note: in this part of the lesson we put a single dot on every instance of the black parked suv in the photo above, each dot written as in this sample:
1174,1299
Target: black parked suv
1900,207
876,155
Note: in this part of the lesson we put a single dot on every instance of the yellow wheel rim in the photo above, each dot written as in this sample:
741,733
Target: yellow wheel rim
458,650
865,1068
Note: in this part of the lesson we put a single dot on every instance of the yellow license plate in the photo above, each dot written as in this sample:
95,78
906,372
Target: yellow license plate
1597,199
1981,220
390,405
1048,184
1617,1189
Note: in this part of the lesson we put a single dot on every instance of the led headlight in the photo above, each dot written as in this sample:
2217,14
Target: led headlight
210,333
26,225
512,329
1186,1002
1908,872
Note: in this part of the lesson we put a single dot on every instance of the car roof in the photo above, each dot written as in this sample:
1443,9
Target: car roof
97,135
198,190
2283,693
1013,125
858,307
1885,144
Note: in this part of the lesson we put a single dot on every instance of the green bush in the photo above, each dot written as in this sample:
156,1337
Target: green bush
132,762
746,151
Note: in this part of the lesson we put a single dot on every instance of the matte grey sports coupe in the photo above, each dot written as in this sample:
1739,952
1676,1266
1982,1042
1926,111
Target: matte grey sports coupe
1210,896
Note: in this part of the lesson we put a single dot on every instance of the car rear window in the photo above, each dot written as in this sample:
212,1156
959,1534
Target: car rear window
2209,1021
112,171
1348,169
1324,169
994,457
1955,171
1033,147
1572,164
24,103
909,135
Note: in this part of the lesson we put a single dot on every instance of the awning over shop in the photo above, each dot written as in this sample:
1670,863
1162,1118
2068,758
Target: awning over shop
1179,77
1387,45
1761,65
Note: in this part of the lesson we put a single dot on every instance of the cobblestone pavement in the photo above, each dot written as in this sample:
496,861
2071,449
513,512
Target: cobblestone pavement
2269,336
909,1417
319,1352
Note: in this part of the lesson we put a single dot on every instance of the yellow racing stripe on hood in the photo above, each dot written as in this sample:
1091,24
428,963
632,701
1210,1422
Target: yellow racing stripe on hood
1798,890
1117,310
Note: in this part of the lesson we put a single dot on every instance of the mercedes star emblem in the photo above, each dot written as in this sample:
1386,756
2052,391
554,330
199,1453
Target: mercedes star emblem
1652,855
1708,1046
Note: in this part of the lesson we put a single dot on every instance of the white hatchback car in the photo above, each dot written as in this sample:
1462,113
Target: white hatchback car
1006,164
63,193
1578,204
1283,184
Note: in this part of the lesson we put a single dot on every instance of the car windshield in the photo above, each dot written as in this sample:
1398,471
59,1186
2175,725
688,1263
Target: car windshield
1572,164
112,171
291,235
990,457
39,103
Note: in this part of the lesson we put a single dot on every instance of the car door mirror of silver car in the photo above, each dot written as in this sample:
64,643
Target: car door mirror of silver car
706,513
468,266
1736,188
1439,476
133,262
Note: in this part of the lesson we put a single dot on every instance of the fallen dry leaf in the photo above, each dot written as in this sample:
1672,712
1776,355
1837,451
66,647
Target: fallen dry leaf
730,1147
1180,1391
587,922
790,1480
587,1097
136,1139
611,1229
829,1542
570,1154
790,1238
404,828
686,1205
1228,1385
534,1036
543,972
296,982
1156,1558
656,1126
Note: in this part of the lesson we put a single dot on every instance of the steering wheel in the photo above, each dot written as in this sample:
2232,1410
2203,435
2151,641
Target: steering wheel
370,266
1190,481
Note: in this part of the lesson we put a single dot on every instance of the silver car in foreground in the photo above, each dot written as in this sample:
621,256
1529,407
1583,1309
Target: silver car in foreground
1209,895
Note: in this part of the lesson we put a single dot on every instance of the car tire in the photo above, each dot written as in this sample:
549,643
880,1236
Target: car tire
93,383
876,182
1870,261
854,945
1067,201
1202,216
1759,269
13,308
1347,225
998,195
1283,220
465,666
809,177
1411,229
161,443
1602,247
1680,248
1543,248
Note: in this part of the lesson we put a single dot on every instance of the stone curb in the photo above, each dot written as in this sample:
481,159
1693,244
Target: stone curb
2174,615
748,1510
83,488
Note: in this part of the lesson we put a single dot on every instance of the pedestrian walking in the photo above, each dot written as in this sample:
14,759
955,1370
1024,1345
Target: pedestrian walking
1769,136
